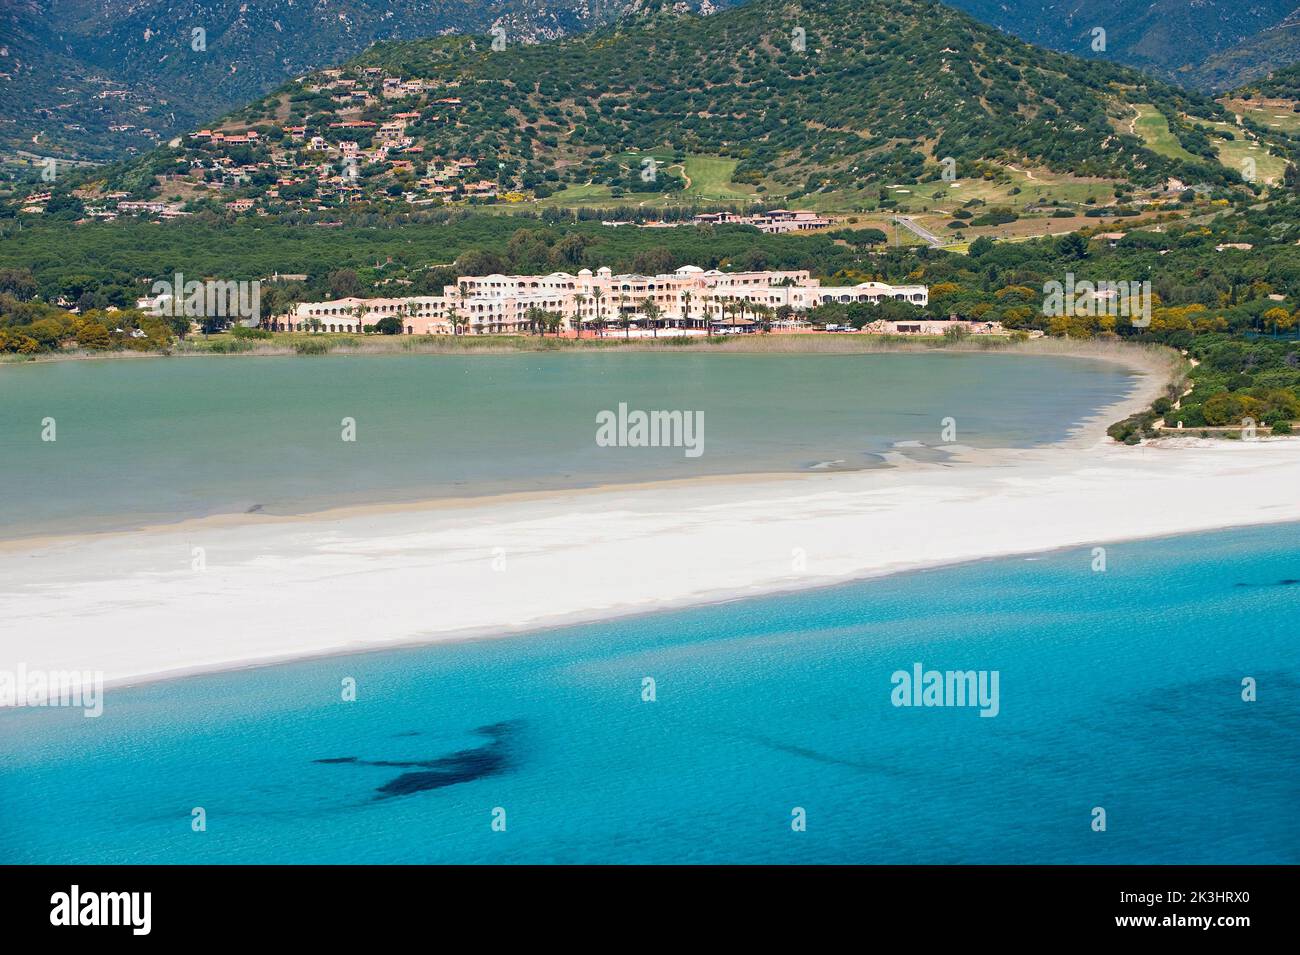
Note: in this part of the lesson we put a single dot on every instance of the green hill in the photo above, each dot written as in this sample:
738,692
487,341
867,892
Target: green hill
103,79
882,91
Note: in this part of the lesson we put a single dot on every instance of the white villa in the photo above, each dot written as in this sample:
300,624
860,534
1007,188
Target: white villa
772,222
689,298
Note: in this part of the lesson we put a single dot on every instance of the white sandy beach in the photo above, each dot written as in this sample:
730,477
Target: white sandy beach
132,605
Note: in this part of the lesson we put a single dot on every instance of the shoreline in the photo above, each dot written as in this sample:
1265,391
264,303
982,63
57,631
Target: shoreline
1131,354
580,618
1154,369
280,584
375,580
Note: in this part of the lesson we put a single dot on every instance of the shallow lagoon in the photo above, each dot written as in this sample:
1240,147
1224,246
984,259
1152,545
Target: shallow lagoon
155,440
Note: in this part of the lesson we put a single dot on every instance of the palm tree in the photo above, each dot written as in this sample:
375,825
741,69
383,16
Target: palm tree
537,319
597,294
291,300
313,324
460,321
686,309
581,300
652,312
623,318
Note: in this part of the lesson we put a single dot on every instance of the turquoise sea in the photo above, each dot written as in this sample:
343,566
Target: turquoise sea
1119,690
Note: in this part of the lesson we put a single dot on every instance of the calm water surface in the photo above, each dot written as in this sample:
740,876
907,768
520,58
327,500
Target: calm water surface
1119,690
163,439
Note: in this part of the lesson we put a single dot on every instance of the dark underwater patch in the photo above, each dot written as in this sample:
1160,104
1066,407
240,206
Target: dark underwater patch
1284,582
462,766
820,757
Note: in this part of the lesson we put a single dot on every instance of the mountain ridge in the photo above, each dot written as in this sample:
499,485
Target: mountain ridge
115,77
103,79
881,93
1211,45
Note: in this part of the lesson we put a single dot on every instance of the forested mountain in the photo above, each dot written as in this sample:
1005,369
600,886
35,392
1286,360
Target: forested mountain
104,78
824,95
1254,60
1280,84
1205,44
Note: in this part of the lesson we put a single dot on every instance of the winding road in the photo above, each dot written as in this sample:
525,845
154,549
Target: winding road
923,233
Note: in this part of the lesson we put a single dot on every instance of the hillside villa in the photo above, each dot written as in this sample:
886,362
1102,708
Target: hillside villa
772,222
690,298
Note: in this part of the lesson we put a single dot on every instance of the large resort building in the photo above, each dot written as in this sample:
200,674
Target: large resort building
687,299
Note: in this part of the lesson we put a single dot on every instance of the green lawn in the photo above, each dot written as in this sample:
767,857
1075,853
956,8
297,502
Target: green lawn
1152,126
1268,168
710,181
709,177
585,194
1042,189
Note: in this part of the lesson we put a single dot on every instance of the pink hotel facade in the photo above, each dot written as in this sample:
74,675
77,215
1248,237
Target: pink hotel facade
688,298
